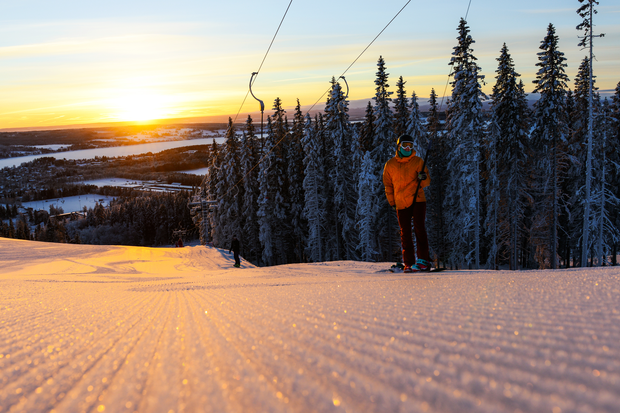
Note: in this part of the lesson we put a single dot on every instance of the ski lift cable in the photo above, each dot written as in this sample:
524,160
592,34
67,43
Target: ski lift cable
263,61
341,76
360,55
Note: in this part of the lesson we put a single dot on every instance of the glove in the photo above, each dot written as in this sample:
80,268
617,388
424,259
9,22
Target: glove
422,176
393,207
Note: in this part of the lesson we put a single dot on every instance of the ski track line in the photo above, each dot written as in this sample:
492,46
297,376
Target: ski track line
75,366
308,342
331,377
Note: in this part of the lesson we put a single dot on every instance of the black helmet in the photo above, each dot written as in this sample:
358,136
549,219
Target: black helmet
404,138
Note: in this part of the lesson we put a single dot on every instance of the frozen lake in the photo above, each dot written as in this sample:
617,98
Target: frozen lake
113,151
71,203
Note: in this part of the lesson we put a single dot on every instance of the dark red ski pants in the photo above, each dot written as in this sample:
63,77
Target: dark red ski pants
417,213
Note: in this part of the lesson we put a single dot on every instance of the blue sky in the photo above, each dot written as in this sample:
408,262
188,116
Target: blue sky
68,62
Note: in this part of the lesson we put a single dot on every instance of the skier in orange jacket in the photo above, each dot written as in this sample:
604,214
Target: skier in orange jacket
401,176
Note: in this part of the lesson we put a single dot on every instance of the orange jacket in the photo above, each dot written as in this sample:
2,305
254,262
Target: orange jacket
400,177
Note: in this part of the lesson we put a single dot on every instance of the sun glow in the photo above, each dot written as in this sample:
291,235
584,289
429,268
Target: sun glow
140,106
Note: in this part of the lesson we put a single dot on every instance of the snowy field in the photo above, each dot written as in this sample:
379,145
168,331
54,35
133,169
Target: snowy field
124,329
70,203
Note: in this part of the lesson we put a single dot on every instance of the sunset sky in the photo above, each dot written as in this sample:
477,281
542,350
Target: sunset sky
74,62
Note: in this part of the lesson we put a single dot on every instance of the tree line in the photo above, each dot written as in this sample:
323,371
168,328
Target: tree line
507,185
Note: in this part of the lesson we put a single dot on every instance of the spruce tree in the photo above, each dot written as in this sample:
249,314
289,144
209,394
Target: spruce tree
210,187
507,165
415,129
339,131
249,158
605,234
401,109
575,183
437,165
613,142
313,184
295,175
367,206
230,191
549,139
274,225
465,132
587,12
382,150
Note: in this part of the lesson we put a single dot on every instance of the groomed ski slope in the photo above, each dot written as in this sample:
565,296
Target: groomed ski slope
121,329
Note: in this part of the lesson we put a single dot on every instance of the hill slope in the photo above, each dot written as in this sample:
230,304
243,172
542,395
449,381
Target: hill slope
107,328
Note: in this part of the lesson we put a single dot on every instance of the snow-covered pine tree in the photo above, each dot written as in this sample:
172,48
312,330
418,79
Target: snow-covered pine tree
437,165
229,191
273,205
249,158
415,129
367,208
295,175
339,132
614,156
507,189
383,149
465,129
587,12
266,199
549,139
577,152
211,183
604,233
613,143
401,108
313,184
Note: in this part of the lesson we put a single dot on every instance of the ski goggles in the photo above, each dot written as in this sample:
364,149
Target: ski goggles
408,146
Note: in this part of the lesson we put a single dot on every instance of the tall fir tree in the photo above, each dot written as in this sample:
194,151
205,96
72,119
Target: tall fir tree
465,129
229,191
587,12
295,175
605,234
274,225
382,150
211,181
401,108
437,165
367,206
415,128
575,183
507,165
249,158
549,140
313,184
339,132
614,157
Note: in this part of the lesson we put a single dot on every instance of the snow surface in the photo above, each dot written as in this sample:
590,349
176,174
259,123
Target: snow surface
123,329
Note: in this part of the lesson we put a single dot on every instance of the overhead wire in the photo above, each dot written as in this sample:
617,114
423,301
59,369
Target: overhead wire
341,76
360,55
264,58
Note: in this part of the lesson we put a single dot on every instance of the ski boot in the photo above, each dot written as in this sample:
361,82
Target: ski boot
421,266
